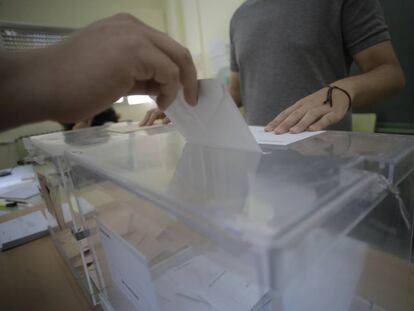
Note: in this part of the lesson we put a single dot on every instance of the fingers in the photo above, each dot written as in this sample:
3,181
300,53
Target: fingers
310,117
310,113
147,87
183,59
151,116
146,118
282,117
290,121
166,121
165,62
327,120
157,66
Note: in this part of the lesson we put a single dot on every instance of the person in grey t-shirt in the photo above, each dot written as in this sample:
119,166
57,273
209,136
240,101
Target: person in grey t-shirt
284,54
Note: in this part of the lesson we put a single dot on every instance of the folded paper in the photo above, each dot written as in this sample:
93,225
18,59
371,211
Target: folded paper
215,121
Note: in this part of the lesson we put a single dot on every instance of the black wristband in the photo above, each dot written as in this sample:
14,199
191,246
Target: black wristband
329,99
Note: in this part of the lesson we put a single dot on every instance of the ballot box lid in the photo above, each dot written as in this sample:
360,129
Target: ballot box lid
271,198
55,144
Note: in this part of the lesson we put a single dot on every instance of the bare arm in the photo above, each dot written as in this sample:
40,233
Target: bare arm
381,76
234,88
22,84
86,73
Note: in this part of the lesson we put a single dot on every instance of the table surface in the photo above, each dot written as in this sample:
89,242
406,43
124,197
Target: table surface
35,277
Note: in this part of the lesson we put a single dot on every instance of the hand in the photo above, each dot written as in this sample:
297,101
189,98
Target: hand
87,72
310,113
153,115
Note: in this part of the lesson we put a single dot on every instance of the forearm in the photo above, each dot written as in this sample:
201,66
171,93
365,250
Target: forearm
24,90
381,77
375,85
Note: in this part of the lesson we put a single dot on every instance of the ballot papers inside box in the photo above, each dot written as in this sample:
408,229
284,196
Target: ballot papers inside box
148,258
186,270
188,280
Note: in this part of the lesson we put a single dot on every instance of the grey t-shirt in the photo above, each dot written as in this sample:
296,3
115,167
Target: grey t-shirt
285,50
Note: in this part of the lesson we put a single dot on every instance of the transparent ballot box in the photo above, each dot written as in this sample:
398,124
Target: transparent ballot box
62,209
190,227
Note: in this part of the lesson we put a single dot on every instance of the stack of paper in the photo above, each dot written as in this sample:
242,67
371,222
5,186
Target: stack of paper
23,191
270,138
203,285
20,185
22,230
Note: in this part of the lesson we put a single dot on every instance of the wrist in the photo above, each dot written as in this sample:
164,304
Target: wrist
330,99
349,87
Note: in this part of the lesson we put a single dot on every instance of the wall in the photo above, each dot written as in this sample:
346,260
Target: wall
205,23
215,24
134,113
78,13
174,20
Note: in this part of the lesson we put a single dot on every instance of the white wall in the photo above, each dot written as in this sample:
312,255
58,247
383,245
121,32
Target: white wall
134,113
206,23
78,13
215,25
174,20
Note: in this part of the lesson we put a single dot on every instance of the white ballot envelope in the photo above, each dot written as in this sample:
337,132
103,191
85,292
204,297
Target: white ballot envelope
215,121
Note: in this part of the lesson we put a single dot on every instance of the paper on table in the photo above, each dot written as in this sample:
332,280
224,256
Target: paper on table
14,232
22,191
266,138
20,174
215,121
